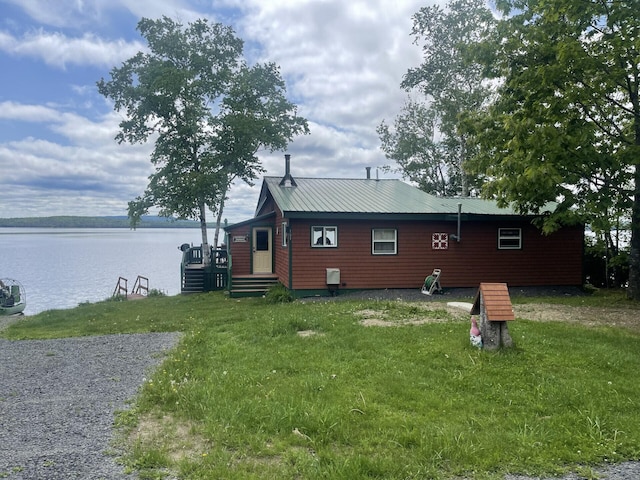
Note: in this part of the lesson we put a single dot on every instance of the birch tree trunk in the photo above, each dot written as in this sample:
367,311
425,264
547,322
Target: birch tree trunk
206,251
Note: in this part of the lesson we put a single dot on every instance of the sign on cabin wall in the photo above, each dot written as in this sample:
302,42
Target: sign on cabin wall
440,241
239,238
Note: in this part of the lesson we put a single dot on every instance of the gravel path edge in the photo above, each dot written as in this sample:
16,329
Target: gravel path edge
58,399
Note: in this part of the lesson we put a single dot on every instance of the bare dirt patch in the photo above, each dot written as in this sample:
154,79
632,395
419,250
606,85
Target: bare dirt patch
382,318
625,317
178,439
583,315
376,322
308,333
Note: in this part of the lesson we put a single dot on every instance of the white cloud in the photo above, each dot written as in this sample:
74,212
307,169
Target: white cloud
343,63
58,50
80,13
31,113
77,129
180,10
343,60
43,175
58,14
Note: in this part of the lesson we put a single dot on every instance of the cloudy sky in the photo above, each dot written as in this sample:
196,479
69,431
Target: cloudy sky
342,61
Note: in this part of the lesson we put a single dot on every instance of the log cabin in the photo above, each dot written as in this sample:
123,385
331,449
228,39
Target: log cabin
321,236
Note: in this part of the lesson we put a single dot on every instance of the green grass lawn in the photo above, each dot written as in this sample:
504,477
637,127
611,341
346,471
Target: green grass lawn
245,395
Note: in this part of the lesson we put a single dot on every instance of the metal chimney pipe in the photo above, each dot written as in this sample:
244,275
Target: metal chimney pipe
368,173
287,179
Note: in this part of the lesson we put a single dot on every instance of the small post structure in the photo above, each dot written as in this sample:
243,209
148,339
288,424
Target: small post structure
493,305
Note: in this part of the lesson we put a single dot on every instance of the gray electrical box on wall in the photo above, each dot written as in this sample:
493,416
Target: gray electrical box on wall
333,276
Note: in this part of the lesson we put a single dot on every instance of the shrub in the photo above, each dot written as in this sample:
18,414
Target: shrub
278,294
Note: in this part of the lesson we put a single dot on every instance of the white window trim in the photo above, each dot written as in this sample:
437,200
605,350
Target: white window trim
503,234
285,234
394,241
324,235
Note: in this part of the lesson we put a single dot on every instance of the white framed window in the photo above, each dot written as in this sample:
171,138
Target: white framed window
384,241
509,239
322,237
285,234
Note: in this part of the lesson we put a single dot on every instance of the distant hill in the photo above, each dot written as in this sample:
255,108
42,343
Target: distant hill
95,222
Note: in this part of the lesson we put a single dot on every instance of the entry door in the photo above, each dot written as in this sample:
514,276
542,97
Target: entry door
262,255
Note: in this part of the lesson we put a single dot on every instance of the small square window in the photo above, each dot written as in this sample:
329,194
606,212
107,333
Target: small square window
509,238
324,237
384,241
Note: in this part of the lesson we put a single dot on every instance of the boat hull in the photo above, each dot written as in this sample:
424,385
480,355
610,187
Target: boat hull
12,310
13,299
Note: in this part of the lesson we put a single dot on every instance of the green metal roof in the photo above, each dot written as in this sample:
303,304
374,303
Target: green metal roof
370,196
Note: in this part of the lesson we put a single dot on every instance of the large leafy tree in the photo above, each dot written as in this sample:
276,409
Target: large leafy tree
426,140
566,125
208,112
413,145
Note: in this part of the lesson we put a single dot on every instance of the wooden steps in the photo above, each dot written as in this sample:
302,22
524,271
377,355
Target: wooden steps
193,280
252,285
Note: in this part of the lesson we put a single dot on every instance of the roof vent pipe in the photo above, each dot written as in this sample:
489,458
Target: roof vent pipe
368,173
287,180
457,236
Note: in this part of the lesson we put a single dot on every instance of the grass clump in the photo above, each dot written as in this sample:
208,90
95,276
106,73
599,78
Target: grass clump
278,293
245,395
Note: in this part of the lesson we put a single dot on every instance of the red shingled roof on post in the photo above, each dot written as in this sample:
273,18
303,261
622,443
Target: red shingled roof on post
496,300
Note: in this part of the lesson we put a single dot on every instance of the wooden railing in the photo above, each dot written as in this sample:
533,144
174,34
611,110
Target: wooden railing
212,277
141,286
121,288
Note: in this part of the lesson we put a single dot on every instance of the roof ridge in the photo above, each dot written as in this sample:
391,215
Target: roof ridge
368,195
341,178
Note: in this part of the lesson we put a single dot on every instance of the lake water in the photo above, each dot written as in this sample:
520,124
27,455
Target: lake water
62,267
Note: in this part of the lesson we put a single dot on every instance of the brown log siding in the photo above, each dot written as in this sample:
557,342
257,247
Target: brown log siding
543,260
281,254
240,251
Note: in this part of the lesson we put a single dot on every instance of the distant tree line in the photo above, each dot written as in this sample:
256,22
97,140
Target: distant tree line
95,222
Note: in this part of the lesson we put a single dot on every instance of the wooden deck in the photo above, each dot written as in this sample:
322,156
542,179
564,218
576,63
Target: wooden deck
135,296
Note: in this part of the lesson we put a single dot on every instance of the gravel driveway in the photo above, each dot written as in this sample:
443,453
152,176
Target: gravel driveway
58,398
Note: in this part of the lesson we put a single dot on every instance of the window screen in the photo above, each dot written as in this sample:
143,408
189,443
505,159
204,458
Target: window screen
509,238
384,241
